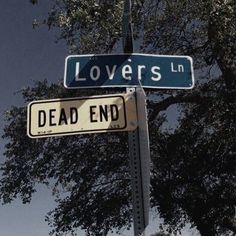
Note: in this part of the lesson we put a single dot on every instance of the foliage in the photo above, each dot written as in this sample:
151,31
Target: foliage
160,234
193,166
194,175
84,168
88,24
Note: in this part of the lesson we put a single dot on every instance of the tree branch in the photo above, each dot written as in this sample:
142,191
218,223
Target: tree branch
164,104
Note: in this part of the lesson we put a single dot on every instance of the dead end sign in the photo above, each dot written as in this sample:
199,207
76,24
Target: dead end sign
71,116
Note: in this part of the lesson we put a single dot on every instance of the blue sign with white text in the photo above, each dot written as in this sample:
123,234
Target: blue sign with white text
129,70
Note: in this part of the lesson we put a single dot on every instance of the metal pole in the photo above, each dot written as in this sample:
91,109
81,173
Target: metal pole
140,165
127,30
138,142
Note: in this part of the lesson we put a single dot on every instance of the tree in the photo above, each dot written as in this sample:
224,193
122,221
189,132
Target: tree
160,234
193,171
197,163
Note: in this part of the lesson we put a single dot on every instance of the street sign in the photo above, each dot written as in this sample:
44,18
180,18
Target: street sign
126,70
81,115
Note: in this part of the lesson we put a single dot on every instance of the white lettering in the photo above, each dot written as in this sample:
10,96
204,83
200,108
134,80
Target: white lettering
77,78
177,68
140,71
172,68
155,71
111,73
181,68
95,73
126,72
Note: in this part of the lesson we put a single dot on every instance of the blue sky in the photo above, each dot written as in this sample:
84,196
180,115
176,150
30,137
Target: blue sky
28,55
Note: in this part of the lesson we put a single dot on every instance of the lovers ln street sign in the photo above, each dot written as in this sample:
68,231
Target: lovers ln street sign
81,115
129,70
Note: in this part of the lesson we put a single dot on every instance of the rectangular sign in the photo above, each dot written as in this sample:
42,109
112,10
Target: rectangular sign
129,70
81,115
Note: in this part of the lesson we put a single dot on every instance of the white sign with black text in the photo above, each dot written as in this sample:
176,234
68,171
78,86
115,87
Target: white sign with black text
71,116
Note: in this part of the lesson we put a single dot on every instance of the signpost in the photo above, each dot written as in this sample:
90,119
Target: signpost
140,165
129,70
138,139
119,112
82,115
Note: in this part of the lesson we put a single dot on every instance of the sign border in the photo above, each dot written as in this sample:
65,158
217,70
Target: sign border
72,132
130,86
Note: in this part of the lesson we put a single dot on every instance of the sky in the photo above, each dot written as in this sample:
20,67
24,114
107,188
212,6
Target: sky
28,55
